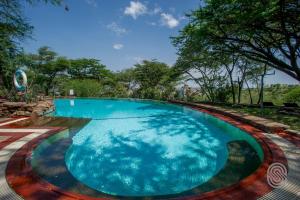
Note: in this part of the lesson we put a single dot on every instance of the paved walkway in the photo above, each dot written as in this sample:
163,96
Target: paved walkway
289,190
6,193
3,119
258,122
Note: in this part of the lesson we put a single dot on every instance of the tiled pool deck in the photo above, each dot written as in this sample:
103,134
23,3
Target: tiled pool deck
17,181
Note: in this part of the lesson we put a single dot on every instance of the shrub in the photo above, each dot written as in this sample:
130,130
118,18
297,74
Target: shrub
293,95
3,92
83,87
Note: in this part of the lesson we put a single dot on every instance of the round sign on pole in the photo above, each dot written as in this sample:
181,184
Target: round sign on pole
20,74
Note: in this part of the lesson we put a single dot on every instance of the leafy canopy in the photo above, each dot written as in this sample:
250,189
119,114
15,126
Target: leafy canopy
264,31
14,27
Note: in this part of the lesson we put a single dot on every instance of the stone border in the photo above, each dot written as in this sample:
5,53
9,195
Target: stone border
257,122
25,182
8,108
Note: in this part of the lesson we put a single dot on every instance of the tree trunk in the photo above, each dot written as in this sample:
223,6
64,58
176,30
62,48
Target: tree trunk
232,91
258,91
1,80
249,92
230,71
261,93
206,91
240,92
241,85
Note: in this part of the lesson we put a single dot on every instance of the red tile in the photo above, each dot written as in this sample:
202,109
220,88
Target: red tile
23,180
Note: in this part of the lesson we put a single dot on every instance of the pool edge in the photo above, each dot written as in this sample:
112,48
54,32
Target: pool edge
271,151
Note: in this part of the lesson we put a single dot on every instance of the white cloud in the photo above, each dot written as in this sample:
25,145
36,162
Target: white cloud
116,28
118,46
168,20
92,3
157,10
135,9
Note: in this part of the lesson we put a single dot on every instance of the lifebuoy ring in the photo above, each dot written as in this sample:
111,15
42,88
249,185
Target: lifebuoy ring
20,87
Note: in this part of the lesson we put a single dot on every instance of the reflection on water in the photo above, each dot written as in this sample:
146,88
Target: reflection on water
149,150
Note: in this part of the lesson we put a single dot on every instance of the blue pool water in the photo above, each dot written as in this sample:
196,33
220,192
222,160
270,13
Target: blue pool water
145,148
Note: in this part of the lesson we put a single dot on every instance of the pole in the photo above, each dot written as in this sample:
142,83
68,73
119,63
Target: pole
262,88
262,93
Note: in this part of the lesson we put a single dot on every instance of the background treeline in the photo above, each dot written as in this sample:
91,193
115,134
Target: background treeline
228,47
224,52
52,75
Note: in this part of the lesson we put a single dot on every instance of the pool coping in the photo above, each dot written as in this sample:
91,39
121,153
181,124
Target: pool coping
255,185
246,188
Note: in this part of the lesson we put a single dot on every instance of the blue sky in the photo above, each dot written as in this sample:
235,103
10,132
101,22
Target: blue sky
120,33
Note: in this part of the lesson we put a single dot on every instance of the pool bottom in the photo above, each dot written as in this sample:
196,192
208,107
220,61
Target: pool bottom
37,188
50,165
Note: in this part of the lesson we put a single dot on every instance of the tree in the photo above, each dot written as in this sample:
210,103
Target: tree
206,69
264,31
87,68
293,95
47,65
14,28
126,78
155,80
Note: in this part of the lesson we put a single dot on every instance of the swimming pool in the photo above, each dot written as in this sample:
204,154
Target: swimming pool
135,148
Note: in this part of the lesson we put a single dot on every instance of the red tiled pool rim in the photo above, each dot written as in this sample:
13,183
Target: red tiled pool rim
29,185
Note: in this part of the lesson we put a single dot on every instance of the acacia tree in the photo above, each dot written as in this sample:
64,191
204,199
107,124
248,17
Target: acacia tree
206,69
245,71
230,66
264,31
154,80
47,65
87,68
127,80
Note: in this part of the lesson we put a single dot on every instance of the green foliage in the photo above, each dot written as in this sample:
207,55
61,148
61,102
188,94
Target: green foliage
154,80
87,68
14,28
117,91
82,87
46,66
214,51
91,88
275,93
88,77
150,73
272,114
222,94
3,92
206,70
265,31
54,2
293,95
232,42
126,78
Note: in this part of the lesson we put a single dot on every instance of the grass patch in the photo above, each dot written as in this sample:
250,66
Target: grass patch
272,114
